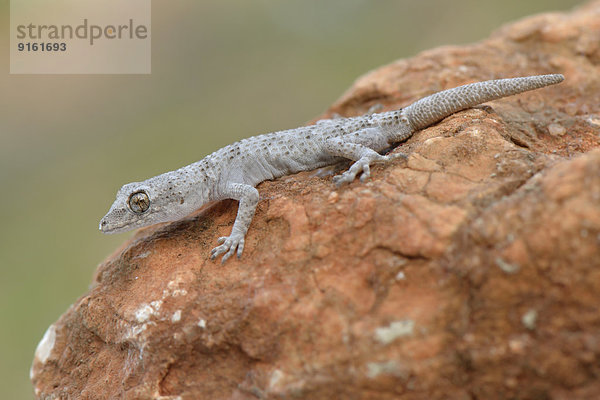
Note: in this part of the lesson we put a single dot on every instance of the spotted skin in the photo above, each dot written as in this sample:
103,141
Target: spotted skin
233,171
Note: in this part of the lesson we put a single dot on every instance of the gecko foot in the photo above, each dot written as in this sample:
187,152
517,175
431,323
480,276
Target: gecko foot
363,165
228,245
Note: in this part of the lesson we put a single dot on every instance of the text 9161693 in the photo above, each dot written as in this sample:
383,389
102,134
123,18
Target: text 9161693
42,46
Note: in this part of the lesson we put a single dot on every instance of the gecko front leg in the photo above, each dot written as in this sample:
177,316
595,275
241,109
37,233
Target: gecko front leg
248,199
356,147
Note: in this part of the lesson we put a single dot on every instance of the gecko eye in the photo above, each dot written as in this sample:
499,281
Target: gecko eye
139,202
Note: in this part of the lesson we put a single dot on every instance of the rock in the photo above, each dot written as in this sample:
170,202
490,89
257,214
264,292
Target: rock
556,129
470,271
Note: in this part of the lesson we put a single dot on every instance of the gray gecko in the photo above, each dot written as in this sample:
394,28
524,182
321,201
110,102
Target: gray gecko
233,171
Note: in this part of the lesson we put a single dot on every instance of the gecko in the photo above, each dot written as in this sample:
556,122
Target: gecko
234,171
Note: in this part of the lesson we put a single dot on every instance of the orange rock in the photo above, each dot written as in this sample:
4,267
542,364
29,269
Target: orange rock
470,271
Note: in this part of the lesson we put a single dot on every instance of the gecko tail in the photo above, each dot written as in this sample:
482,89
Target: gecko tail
434,108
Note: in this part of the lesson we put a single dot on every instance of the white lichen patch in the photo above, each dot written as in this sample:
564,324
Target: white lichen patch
142,255
529,319
144,313
179,292
173,284
276,377
593,120
176,317
173,288
396,329
156,304
148,314
202,324
134,331
45,346
475,132
392,367
506,266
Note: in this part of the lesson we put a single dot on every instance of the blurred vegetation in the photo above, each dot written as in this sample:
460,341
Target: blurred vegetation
221,71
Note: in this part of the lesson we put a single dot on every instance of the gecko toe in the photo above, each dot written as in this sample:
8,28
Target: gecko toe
366,173
240,249
225,257
228,247
346,177
217,251
339,180
229,253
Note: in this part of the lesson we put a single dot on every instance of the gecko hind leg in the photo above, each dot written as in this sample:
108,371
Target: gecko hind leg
364,165
361,154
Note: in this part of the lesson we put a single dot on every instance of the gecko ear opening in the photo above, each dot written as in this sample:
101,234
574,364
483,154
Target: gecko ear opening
139,202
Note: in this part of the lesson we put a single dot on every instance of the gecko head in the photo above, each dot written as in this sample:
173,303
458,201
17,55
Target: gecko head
140,204
131,209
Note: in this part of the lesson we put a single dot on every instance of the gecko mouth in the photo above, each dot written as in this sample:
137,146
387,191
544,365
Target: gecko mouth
104,228
107,228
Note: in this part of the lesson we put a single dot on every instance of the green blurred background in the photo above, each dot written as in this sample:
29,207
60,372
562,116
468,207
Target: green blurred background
221,71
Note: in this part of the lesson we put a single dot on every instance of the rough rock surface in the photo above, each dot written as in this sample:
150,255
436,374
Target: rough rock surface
472,271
